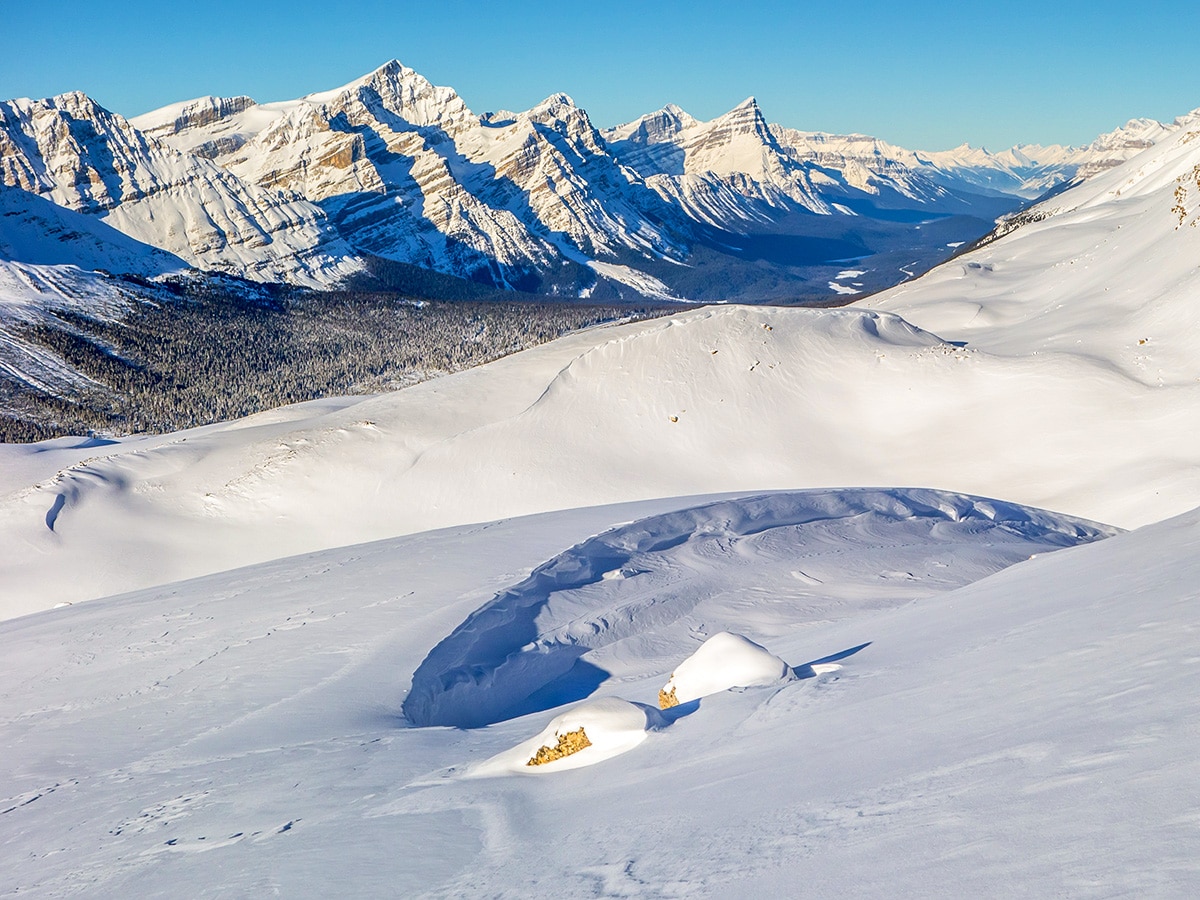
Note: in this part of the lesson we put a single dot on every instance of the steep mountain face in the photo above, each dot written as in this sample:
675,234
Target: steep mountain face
78,155
37,231
49,257
848,214
409,173
827,173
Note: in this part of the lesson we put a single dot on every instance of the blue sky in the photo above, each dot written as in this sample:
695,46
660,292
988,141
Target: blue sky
923,75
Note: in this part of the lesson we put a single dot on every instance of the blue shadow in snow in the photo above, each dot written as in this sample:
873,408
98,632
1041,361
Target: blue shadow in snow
806,670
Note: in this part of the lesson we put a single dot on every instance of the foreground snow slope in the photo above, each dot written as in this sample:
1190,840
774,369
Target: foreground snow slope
720,399
1029,734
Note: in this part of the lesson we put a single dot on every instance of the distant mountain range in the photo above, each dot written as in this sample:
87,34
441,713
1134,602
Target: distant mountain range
338,188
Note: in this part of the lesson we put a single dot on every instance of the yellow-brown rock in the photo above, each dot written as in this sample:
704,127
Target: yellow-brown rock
568,743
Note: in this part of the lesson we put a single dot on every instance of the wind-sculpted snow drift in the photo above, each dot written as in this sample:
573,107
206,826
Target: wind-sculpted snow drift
620,604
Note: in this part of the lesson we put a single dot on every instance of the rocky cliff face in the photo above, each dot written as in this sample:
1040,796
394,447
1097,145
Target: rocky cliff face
738,168
409,173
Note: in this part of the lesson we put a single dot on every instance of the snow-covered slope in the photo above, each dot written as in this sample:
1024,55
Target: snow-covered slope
1028,733
29,293
727,398
37,231
73,152
1107,269
48,261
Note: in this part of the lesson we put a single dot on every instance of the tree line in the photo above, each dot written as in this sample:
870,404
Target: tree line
211,355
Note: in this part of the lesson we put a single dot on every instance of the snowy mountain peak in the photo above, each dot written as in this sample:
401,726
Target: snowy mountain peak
1188,120
556,106
402,91
655,127
556,101
746,111
391,69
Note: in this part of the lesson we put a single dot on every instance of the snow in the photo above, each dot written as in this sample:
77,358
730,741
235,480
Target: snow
1029,170
1107,275
843,289
549,636
722,662
613,726
644,284
1024,733
37,232
792,397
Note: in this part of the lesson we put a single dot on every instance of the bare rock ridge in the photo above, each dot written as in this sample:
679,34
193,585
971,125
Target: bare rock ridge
390,167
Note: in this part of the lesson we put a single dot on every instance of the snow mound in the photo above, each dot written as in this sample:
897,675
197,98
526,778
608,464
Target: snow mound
591,732
724,661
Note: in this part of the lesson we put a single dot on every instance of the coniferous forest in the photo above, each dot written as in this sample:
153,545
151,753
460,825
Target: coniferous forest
211,355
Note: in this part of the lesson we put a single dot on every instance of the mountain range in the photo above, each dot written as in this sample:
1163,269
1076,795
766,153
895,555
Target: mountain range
339,187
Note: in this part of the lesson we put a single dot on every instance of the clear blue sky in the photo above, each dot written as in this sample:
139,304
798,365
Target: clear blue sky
923,75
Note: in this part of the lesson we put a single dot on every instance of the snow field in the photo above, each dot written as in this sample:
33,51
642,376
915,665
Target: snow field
239,732
553,637
790,397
